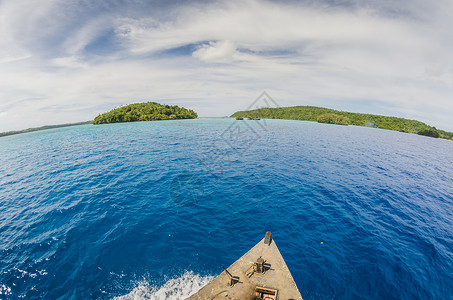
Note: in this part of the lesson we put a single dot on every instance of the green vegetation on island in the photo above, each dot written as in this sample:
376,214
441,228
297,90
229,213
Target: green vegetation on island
43,128
326,115
150,111
333,119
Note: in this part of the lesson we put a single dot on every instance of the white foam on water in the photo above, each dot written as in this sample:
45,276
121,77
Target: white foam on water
5,290
174,289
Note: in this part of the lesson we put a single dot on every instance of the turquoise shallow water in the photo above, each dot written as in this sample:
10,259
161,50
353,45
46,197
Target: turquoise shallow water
154,209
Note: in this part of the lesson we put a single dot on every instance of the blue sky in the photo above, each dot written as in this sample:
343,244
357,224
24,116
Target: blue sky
69,60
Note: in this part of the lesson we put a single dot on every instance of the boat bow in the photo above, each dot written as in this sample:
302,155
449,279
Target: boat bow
261,273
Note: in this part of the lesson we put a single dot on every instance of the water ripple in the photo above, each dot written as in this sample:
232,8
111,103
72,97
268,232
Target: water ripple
153,210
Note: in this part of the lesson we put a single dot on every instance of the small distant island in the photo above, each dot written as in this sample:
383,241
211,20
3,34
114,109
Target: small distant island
43,128
331,116
149,111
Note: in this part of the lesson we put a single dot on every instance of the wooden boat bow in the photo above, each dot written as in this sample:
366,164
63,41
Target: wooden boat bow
261,273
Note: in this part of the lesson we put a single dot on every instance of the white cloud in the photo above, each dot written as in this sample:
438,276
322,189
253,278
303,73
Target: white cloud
88,33
349,57
70,62
221,51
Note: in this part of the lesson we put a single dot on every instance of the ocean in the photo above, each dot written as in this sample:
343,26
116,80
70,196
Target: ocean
153,210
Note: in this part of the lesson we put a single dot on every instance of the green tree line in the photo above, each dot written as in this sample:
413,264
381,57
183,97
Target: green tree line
150,111
326,115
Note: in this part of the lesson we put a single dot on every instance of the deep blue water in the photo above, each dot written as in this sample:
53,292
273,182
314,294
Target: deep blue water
95,212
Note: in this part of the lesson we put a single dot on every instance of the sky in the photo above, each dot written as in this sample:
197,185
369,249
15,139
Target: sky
69,60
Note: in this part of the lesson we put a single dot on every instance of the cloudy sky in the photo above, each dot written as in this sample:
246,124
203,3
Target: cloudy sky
66,61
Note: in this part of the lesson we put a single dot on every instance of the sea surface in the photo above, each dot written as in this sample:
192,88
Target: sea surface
153,210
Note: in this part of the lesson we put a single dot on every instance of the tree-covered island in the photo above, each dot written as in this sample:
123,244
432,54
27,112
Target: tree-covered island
150,111
326,115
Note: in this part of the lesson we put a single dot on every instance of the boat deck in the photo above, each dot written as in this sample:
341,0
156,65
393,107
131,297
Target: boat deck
276,277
